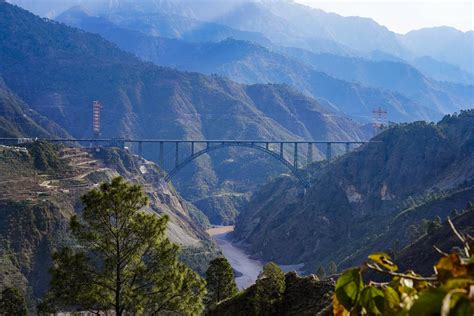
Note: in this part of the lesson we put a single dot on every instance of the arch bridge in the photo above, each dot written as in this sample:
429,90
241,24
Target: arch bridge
285,151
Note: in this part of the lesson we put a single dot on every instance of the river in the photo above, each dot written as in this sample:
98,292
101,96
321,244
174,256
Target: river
247,268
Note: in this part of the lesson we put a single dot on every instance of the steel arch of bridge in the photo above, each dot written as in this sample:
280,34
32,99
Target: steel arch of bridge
210,145
266,149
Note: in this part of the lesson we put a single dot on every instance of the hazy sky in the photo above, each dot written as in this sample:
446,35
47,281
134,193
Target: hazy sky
402,16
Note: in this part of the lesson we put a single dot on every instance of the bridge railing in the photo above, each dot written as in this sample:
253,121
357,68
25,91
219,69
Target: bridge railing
289,152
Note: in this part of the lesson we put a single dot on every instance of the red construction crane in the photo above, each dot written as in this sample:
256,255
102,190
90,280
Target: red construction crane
96,107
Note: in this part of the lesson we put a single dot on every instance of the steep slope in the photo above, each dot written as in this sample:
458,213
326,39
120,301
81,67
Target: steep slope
409,173
18,120
59,70
289,23
421,256
40,187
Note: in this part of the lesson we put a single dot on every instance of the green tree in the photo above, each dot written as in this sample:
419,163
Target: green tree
270,286
332,268
124,262
12,302
220,281
320,272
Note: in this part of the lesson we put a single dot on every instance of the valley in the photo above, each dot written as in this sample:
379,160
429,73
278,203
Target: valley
245,268
241,157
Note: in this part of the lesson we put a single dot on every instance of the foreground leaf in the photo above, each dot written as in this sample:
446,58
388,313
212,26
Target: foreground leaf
450,266
392,300
348,288
372,299
337,308
429,303
384,260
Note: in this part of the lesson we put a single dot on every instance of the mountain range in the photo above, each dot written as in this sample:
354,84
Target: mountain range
58,70
350,87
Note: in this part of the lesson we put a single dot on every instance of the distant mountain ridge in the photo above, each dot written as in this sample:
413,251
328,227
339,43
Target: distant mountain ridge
289,23
423,98
443,43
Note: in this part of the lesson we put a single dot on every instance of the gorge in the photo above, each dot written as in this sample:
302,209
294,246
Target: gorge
264,133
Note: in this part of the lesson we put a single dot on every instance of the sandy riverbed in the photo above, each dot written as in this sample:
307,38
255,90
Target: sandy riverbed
240,261
248,269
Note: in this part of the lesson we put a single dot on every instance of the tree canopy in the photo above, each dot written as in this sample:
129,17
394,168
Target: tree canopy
270,286
123,260
220,281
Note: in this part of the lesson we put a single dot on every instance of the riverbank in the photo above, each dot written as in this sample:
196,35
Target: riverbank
241,262
246,268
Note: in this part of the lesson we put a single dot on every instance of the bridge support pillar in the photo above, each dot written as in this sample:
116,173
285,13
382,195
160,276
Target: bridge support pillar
267,146
348,147
176,162
162,155
295,158
192,148
328,151
281,150
140,149
310,153
207,145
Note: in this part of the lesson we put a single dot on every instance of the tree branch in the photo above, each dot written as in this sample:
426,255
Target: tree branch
376,268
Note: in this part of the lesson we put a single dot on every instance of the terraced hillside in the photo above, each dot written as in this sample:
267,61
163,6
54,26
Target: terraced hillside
40,186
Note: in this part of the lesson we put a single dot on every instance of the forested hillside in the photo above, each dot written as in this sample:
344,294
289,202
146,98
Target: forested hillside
366,200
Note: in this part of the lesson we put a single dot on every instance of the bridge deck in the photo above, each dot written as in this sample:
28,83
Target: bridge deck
212,141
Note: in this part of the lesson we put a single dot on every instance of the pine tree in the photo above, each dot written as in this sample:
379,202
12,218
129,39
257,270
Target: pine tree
12,302
220,281
270,286
124,262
